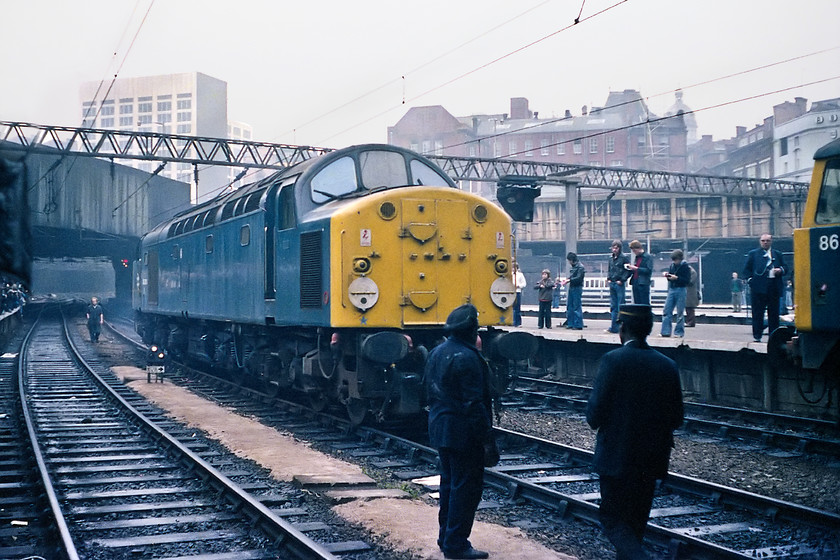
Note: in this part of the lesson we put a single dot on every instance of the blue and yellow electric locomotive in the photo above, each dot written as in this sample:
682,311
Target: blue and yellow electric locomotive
816,245
334,277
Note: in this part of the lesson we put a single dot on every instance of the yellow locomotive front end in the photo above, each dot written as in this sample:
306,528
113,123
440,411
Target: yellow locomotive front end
816,344
407,257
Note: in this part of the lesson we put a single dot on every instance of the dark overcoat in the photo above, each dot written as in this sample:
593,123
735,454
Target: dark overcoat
458,393
635,404
756,271
644,272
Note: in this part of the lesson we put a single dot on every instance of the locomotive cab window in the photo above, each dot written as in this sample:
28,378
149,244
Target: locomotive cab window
422,174
245,235
828,206
334,180
208,244
382,169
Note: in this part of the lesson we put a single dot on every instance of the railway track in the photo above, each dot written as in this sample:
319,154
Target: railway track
690,518
121,479
780,431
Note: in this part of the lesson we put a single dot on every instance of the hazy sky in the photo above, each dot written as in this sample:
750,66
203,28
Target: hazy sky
334,73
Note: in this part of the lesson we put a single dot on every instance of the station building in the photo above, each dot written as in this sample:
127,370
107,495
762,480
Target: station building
624,133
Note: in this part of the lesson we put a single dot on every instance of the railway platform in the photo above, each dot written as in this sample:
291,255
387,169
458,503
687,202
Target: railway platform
717,328
719,361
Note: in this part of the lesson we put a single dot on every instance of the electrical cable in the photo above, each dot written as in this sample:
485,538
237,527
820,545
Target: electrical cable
478,68
417,68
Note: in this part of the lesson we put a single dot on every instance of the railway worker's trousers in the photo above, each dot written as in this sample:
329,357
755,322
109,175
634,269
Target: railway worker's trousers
461,484
624,510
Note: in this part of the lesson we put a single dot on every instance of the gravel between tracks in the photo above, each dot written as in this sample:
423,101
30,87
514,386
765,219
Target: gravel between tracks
808,480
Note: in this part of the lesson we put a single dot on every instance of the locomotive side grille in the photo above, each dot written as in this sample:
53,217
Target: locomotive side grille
310,269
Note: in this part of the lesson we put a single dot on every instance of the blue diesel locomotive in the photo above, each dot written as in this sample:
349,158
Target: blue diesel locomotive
333,277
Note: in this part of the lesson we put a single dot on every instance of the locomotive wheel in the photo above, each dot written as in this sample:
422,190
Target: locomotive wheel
357,410
272,388
318,401
777,343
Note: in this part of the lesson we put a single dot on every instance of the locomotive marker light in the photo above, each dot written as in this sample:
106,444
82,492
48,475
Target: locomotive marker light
503,292
363,293
155,363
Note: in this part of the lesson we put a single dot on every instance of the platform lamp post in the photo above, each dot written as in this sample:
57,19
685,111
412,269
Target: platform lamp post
646,233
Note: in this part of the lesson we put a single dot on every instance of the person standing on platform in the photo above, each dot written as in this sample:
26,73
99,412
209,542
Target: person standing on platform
574,297
763,272
736,287
617,274
692,298
519,282
635,404
546,292
555,299
641,266
460,422
95,318
678,276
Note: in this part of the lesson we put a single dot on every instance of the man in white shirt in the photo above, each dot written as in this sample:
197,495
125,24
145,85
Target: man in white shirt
518,282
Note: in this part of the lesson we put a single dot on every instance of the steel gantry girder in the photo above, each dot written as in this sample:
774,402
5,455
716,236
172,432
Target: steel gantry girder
127,144
614,178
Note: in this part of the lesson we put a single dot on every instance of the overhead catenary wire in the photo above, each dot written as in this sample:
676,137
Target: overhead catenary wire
660,94
479,68
402,78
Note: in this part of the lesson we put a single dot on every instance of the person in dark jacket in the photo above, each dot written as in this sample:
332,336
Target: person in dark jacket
635,404
95,318
460,422
763,272
574,309
678,275
617,274
546,293
641,267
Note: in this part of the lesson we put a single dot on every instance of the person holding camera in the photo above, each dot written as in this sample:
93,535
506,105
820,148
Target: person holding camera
617,274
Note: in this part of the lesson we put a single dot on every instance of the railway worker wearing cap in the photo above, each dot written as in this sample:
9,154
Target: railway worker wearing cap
635,404
460,421
640,267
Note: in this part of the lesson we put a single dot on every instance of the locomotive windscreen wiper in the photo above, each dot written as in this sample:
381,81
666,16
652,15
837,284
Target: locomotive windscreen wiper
330,196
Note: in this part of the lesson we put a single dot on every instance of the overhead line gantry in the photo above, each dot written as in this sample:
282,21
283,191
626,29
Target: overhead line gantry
154,146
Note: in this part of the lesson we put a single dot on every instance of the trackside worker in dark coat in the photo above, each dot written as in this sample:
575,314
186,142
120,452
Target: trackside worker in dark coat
95,317
635,404
460,421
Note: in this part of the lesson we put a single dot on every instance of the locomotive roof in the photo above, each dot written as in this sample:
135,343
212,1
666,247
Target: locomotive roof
829,150
305,169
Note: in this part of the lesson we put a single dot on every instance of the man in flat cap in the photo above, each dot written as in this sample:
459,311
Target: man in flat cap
460,422
635,404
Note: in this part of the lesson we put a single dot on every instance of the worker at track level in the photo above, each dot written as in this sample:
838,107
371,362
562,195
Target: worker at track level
635,404
460,422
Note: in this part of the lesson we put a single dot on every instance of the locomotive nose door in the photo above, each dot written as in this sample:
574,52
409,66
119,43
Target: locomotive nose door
435,251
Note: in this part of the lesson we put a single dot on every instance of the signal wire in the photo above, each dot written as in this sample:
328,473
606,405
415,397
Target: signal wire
621,104
478,68
416,69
